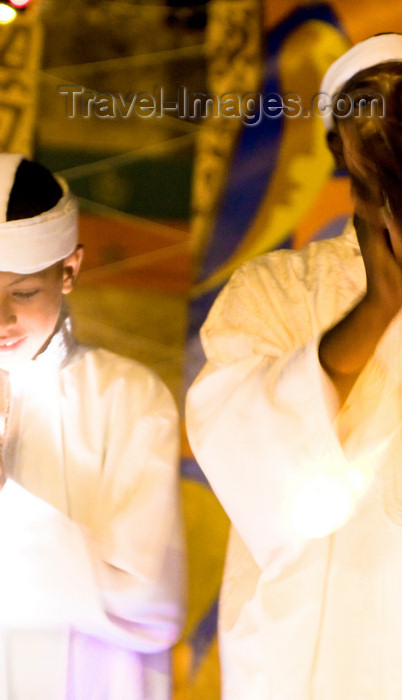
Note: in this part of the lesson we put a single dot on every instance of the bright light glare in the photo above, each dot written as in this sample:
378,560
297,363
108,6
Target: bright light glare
321,506
20,3
7,13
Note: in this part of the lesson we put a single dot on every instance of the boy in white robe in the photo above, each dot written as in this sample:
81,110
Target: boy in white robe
91,553
297,422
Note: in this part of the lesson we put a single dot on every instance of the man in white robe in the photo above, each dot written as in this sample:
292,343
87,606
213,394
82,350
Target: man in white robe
91,552
296,420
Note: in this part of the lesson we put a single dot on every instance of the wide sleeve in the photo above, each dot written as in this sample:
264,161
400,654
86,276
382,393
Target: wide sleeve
260,414
135,531
110,563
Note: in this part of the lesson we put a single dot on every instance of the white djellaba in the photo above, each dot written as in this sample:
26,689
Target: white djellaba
310,607
91,549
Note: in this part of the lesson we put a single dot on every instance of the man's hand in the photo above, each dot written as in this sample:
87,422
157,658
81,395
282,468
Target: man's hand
346,348
381,248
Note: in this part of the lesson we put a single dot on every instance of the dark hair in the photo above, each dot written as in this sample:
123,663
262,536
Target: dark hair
378,137
34,191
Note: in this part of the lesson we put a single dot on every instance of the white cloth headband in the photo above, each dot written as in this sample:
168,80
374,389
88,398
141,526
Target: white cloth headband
30,245
371,52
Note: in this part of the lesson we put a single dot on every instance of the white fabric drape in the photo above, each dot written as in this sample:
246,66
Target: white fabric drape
310,607
92,554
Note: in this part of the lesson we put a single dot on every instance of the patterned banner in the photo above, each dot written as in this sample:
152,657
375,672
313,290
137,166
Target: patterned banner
20,52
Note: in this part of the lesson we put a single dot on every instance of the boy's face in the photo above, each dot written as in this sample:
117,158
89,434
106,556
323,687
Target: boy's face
30,308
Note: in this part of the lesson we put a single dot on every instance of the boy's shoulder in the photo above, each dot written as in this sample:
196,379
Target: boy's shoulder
99,371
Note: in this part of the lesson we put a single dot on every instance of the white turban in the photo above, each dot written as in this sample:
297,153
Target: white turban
30,245
371,52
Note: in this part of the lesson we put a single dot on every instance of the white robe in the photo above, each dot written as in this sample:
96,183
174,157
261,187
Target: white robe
311,603
91,553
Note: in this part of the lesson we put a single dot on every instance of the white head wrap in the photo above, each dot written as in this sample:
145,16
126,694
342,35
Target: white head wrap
371,52
30,245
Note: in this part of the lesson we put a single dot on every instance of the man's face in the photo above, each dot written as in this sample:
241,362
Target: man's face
365,185
29,311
